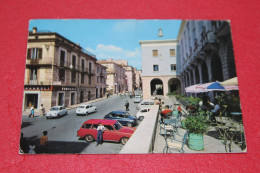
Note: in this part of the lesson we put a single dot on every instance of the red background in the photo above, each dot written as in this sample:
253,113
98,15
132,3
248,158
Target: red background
15,14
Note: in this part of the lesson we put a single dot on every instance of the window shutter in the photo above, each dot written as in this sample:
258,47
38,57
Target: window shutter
40,53
28,53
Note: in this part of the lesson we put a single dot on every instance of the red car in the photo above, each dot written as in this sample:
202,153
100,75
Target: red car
114,131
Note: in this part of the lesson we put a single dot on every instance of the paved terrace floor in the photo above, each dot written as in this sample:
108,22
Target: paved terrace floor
211,141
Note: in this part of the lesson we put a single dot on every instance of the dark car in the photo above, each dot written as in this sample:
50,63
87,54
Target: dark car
123,117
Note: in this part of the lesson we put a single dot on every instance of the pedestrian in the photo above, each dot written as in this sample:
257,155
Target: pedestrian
215,111
31,148
44,142
205,104
100,130
32,112
107,95
42,110
23,144
127,105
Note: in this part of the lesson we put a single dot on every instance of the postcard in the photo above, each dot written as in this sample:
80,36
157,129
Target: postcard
130,87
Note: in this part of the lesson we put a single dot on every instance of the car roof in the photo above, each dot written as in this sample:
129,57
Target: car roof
118,112
56,106
85,104
102,121
148,100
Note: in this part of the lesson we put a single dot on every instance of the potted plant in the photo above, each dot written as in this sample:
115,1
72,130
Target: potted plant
197,126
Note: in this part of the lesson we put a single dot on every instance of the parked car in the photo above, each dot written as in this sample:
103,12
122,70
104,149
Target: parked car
145,103
137,99
85,109
123,117
142,113
114,131
56,112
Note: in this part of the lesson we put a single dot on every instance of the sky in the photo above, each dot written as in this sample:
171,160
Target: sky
117,39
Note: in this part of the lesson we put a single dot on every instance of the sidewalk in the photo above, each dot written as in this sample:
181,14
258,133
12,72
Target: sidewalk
211,142
69,107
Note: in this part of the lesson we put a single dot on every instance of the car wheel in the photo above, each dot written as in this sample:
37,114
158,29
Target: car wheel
47,118
89,138
129,124
124,140
66,113
141,118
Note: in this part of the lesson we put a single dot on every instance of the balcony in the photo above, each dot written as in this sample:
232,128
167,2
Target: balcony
208,40
33,82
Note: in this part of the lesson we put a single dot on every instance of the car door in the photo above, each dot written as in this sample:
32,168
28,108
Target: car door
92,108
87,109
110,134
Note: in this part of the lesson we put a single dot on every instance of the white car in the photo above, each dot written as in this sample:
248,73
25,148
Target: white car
137,99
56,111
85,109
142,113
145,103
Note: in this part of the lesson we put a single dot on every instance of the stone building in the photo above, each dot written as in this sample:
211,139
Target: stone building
101,81
130,74
138,79
58,72
116,78
159,71
205,52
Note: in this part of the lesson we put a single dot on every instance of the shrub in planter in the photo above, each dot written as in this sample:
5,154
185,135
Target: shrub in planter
197,126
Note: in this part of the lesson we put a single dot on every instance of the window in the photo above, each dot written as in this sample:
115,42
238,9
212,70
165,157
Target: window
155,52
172,52
108,127
87,126
34,53
155,67
173,67
62,58
33,75
62,74
82,78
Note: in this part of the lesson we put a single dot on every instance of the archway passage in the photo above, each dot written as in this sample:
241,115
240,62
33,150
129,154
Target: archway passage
216,68
197,76
156,87
174,85
204,69
231,61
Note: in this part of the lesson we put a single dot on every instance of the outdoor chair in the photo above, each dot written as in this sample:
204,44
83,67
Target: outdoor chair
177,117
175,143
168,127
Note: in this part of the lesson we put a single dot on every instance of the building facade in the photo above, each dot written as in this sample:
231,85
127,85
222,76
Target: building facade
58,72
205,52
130,74
101,81
116,78
159,68
138,79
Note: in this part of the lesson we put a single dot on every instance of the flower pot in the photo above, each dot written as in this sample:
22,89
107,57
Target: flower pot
196,141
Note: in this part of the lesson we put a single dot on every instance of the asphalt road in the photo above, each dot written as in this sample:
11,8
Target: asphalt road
62,131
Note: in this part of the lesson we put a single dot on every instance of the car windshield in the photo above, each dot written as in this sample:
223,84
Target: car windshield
126,114
54,109
117,126
144,110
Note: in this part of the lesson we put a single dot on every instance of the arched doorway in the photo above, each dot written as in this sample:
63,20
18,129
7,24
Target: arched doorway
197,76
216,68
231,61
191,78
204,69
174,85
156,87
